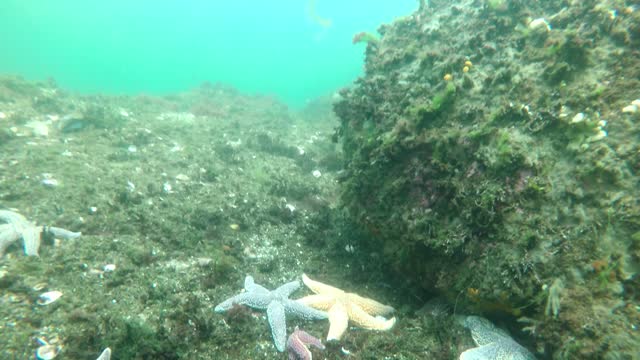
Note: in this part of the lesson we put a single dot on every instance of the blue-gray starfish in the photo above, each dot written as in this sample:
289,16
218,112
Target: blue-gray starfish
17,227
493,342
277,304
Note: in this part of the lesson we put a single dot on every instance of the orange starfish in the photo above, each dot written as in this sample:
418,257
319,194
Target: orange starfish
344,307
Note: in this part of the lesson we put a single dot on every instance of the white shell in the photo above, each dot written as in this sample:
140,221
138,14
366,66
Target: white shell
49,297
47,352
539,23
109,268
50,182
578,118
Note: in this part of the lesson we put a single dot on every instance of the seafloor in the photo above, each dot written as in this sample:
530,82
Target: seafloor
185,195
507,189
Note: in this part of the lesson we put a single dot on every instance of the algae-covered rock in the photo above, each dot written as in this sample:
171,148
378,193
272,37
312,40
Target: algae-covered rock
468,170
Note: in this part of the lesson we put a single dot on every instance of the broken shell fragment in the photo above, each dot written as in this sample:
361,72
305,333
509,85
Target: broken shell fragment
39,286
48,297
539,23
106,354
47,352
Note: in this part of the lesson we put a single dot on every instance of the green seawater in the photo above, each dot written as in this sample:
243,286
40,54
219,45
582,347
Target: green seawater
294,49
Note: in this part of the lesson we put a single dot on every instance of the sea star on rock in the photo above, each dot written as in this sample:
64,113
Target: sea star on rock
297,345
17,226
493,342
344,307
276,303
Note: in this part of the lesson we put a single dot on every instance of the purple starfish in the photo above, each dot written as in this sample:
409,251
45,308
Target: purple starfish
297,345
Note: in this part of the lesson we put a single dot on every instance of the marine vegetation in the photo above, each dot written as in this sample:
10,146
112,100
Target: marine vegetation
509,187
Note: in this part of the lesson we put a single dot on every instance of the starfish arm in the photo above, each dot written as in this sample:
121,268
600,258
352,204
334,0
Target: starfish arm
106,355
285,290
31,239
370,306
486,352
361,319
250,299
227,304
493,342
62,233
338,321
277,322
8,235
296,347
309,339
500,350
320,288
251,286
13,218
320,302
483,331
303,311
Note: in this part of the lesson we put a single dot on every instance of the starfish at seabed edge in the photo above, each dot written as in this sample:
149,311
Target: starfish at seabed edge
17,226
344,307
276,303
493,342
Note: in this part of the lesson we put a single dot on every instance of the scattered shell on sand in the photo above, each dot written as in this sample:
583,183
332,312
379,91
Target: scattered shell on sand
539,23
109,268
47,351
39,286
632,108
578,118
49,297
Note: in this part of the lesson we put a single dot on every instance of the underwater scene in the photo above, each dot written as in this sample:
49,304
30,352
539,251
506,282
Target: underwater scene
393,180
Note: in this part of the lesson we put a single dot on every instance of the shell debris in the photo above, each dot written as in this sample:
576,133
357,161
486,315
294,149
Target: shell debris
49,297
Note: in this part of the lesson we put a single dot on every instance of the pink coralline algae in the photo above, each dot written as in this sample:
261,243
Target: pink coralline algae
297,345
